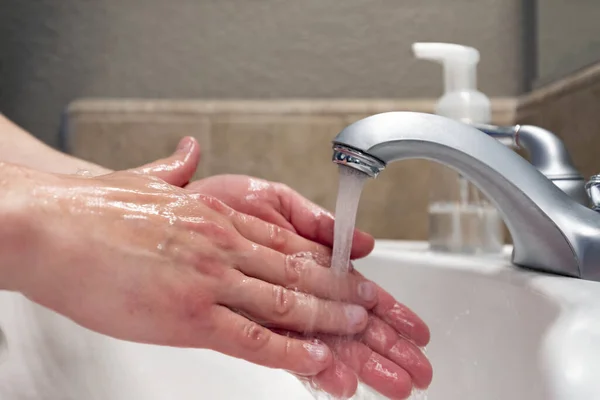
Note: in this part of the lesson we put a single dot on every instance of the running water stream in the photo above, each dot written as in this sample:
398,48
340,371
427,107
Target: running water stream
350,187
351,183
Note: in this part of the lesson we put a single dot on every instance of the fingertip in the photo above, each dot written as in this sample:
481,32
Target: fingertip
357,317
424,336
318,353
190,149
362,244
419,332
425,376
317,358
338,380
184,144
180,167
367,292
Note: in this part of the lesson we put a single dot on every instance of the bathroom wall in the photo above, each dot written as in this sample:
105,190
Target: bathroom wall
568,37
569,108
250,60
56,51
289,141
283,141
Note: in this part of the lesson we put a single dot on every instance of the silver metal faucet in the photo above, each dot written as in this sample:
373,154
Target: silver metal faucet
551,231
546,152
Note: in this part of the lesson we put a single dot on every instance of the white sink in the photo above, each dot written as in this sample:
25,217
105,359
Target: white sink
498,332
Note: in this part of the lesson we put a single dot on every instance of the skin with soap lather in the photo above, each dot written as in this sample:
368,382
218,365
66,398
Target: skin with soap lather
45,255
130,256
385,356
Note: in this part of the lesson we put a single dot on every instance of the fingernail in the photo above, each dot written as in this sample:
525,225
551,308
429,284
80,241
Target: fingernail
318,351
356,315
367,291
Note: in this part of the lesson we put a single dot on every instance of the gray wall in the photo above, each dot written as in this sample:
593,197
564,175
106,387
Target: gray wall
568,37
55,51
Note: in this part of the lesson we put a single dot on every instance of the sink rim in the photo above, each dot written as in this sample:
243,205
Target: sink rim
567,350
565,292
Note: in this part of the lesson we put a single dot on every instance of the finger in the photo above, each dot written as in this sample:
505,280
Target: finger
179,167
277,238
305,275
268,213
400,317
338,380
373,369
315,223
239,337
383,339
261,199
273,305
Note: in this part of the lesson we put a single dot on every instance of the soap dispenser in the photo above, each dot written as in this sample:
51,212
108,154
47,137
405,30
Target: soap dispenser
461,218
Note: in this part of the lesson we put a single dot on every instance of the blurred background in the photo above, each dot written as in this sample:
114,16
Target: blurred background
266,84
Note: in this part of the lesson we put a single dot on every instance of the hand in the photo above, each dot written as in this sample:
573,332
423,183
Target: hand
391,339
280,205
130,256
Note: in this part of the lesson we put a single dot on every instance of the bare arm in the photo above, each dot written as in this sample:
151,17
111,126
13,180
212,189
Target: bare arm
19,147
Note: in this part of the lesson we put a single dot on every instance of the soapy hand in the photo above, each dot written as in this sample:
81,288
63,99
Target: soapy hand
131,256
385,356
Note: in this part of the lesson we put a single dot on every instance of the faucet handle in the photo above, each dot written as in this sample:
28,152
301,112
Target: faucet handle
592,187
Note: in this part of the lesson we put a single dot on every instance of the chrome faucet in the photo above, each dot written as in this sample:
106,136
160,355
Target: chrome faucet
551,231
546,152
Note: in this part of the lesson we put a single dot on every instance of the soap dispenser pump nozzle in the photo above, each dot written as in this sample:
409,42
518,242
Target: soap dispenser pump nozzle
461,101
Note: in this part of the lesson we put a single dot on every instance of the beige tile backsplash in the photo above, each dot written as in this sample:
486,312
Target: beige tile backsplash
294,150
285,141
127,140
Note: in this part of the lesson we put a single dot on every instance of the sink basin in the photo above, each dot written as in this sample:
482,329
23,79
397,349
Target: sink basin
498,332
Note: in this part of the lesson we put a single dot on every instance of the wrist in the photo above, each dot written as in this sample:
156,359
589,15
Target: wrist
18,226
19,147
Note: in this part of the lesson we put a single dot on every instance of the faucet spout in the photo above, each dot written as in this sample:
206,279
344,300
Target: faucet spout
551,232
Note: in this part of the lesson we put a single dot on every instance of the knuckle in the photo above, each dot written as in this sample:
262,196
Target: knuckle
288,350
283,302
281,191
254,337
210,266
151,178
194,255
194,303
323,257
278,238
215,204
282,187
219,233
294,268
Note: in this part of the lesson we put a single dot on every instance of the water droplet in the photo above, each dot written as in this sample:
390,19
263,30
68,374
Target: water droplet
84,172
418,395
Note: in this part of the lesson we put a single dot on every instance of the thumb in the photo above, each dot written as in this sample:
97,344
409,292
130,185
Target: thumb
179,167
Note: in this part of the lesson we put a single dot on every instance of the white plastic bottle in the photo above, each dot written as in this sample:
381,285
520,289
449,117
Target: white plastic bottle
461,219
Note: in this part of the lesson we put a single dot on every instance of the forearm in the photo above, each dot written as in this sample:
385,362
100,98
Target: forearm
19,147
